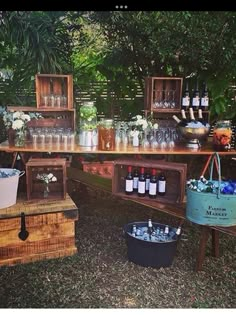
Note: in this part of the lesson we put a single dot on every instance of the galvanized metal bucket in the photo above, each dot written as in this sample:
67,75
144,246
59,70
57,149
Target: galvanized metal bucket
209,208
9,187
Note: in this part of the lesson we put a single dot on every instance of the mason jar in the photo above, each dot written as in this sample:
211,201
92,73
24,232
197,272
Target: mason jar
106,135
222,134
88,125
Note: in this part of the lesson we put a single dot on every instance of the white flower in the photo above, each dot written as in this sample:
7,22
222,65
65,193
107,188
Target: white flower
25,117
155,126
46,178
50,176
17,115
17,124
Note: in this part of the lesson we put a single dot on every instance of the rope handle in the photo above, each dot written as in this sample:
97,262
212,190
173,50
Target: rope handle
214,159
208,162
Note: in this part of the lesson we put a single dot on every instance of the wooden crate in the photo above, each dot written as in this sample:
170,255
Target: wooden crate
56,84
104,169
35,187
51,228
175,179
52,117
160,89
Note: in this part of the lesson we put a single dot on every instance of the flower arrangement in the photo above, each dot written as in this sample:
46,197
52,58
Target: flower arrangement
140,124
18,122
46,178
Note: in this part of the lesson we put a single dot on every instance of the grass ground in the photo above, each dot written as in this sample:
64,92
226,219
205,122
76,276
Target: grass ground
100,275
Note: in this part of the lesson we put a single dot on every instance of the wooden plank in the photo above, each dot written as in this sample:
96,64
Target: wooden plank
43,246
39,220
36,234
42,256
30,207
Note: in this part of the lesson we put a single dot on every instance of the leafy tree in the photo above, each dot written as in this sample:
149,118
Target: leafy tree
190,44
32,42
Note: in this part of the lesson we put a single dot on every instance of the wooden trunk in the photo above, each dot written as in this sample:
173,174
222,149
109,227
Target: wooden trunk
51,228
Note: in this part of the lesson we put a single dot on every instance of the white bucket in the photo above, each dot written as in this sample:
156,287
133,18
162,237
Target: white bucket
9,186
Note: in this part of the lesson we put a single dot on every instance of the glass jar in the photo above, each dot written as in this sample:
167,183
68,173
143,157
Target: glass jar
88,116
222,134
106,135
88,125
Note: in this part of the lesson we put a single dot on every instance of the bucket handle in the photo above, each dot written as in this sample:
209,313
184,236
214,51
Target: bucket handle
214,159
21,173
218,166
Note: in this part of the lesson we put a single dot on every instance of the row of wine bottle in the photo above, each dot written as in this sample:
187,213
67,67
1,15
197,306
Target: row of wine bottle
196,101
145,183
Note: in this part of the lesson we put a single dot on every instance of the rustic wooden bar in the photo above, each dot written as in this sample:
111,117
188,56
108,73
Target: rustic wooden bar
51,230
177,210
205,149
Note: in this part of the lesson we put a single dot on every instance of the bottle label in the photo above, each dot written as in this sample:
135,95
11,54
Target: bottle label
205,101
162,186
129,185
153,189
196,101
135,182
147,183
141,187
186,101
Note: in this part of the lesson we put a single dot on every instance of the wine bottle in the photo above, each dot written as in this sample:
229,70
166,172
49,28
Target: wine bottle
205,98
161,187
147,180
129,182
186,98
141,183
135,180
192,118
200,118
179,121
153,185
150,227
134,230
184,119
174,233
196,97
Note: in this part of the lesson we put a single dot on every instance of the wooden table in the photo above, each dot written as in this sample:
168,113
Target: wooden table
175,210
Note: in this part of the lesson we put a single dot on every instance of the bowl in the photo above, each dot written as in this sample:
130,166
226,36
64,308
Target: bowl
194,132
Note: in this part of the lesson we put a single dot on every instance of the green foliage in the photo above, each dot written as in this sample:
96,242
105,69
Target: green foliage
32,42
197,44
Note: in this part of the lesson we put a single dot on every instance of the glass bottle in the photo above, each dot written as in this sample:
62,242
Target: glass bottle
88,124
129,182
153,185
205,98
186,98
141,183
161,185
135,180
196,97
106,135
222,134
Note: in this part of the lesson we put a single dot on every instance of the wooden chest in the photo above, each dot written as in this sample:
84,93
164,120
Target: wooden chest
51,230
